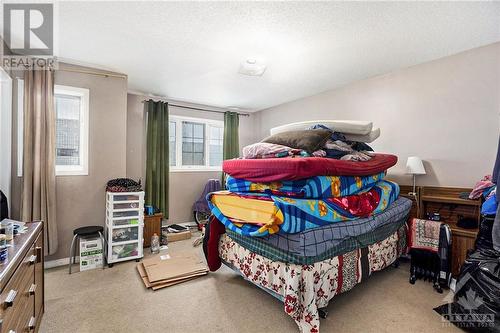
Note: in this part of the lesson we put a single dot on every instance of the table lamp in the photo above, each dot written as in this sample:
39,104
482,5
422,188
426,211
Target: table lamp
414,166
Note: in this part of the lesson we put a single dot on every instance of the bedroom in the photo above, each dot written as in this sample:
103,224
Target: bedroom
356,141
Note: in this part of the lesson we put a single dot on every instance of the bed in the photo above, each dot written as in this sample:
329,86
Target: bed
305,289
306,229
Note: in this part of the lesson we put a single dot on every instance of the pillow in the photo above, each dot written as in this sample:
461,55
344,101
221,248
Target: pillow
308,140
268,150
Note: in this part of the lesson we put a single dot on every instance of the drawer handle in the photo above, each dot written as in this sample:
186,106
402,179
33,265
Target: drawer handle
32,259
38,250
9,300
32,323
32,289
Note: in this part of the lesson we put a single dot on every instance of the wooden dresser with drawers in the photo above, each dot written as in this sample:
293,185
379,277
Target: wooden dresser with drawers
21,282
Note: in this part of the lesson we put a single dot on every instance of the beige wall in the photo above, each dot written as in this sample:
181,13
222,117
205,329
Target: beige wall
185,187
445,111
80,199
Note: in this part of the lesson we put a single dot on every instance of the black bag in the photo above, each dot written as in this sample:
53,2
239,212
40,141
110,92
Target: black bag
4,207
123,185
484,238
476,305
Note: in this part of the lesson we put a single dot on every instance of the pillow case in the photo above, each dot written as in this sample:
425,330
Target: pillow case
268,150
308,140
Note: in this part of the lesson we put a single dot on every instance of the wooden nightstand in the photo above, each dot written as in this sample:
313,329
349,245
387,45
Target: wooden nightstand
451,207
404,191
152,225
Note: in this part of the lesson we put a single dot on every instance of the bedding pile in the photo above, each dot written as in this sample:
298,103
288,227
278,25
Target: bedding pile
303,196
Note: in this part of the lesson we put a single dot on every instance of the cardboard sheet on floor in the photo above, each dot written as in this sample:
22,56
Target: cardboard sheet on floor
165,268
160,284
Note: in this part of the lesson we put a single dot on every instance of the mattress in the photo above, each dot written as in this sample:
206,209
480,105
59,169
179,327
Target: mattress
270,214
313,188
367,138
343,126
318,244
293,168
306,288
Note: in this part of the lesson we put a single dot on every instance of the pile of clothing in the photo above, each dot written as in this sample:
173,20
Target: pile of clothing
317,140
487,189
123,185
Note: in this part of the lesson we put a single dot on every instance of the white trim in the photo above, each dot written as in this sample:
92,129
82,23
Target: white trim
83,168
59,262
20,126
178,144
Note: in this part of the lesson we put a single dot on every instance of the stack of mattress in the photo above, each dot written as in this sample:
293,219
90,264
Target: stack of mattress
306,229
304,210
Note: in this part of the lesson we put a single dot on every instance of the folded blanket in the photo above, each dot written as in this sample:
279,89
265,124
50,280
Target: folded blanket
289,215
288,168
314,187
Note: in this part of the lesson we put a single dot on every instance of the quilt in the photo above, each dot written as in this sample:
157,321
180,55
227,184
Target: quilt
296,215
424,235
310,188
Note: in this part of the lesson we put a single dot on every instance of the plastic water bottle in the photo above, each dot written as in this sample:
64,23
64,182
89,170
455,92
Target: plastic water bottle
155,243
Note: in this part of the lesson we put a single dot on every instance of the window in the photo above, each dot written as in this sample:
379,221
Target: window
195,144
171,143
215,146
71,106
72,117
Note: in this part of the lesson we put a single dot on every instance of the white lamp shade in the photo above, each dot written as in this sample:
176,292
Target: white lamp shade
414,166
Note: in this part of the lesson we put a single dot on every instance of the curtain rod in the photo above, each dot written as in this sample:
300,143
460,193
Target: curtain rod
122,76
201,109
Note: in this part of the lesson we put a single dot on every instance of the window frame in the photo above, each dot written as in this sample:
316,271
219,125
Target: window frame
83,168
178,144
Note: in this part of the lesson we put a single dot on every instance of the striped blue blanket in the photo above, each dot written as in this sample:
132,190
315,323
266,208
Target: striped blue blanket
310,188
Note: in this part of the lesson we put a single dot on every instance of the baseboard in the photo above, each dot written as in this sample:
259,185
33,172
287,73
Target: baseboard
59,262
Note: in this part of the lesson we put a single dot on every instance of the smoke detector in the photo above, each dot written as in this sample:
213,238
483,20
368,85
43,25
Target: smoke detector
252,68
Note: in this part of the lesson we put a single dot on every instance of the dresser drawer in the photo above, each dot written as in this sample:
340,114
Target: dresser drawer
16,296
24,321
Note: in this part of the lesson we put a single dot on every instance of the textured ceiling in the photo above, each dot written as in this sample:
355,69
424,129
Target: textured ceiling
192,51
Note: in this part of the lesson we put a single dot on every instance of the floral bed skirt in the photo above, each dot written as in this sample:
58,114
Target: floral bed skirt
305,288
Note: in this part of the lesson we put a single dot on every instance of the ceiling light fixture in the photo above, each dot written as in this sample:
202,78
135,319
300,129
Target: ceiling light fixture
252,68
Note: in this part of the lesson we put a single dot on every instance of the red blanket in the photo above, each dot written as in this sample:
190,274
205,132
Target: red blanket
292,168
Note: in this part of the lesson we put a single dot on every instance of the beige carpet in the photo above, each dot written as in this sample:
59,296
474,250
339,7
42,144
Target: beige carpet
115,300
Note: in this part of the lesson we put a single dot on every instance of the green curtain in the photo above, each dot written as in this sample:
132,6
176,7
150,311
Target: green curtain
231,135
231,148
157,164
